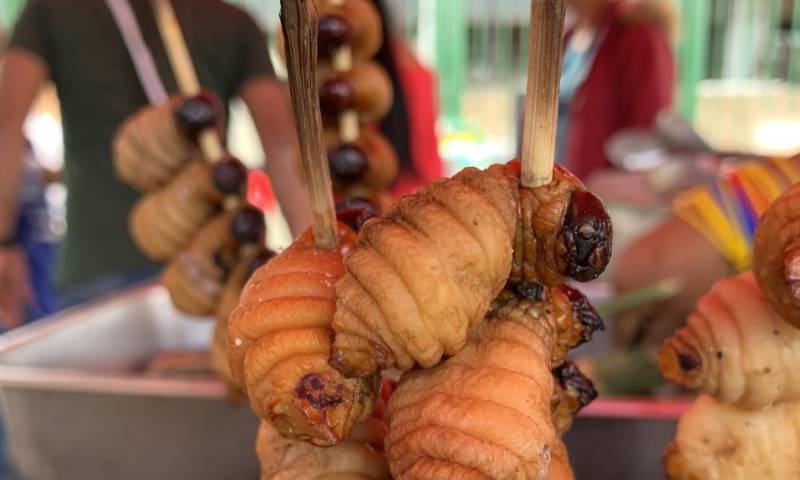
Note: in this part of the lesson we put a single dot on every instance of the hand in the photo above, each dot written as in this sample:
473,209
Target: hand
15,290
673,250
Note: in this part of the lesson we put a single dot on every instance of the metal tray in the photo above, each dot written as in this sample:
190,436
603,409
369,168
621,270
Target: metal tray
76,404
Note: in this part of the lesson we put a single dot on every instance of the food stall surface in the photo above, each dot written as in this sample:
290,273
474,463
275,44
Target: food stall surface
79,403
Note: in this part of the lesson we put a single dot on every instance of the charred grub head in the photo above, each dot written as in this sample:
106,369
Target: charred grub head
247,225
348,163
587,235
533,291
688,362
355,211
575,384
336,96
584,312
334,32
229,176
263,257
318,392
198,113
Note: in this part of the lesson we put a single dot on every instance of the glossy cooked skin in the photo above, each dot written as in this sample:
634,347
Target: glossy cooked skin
720,442
193,278
164,222
228,301
776,255
735,348
381,162
279,340
446,252
359,458
149,149
485,413
443,253
370,86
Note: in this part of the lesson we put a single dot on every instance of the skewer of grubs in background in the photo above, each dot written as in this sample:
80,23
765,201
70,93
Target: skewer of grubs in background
355,93
193,213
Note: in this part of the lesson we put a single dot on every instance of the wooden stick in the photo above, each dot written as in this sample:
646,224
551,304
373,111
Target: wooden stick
301,63
342,61
546,44
183,69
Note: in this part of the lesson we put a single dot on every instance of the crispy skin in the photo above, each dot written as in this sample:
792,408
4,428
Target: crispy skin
149,149
487,412
164,222
776,255
735,348
228,301
423,275
721,442
354,459
194,279
279,340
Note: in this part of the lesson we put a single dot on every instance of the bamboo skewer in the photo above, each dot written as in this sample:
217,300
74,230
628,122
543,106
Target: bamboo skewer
546,43
342,61
183,69
301,63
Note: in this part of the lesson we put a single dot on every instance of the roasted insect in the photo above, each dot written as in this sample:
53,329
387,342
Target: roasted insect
447,251
154,144
279,340
366,89
488,412
360,457
164,222
195,278
735,348
776,255
721,442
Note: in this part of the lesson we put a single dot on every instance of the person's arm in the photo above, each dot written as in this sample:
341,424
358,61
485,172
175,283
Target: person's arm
20,79
268,102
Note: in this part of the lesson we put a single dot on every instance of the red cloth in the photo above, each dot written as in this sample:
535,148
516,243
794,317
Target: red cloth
419,88
631,80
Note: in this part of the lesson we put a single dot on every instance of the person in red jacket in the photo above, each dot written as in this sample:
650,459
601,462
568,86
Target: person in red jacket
410,125
619,72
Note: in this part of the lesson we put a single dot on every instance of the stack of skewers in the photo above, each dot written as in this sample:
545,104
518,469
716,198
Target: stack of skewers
193,214
459,287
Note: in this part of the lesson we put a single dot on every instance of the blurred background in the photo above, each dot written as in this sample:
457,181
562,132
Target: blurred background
736,102
738,69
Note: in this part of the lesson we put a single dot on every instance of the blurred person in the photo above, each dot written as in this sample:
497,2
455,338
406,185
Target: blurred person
78,46
619,72
410,125
708,237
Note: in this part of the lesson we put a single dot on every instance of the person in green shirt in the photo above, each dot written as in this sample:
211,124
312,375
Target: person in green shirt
78,46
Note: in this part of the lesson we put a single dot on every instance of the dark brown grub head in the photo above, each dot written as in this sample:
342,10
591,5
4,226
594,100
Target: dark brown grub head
575,384
583,312
318,392
587,236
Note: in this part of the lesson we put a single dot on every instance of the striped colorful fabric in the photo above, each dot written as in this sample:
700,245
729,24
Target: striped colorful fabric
727,212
